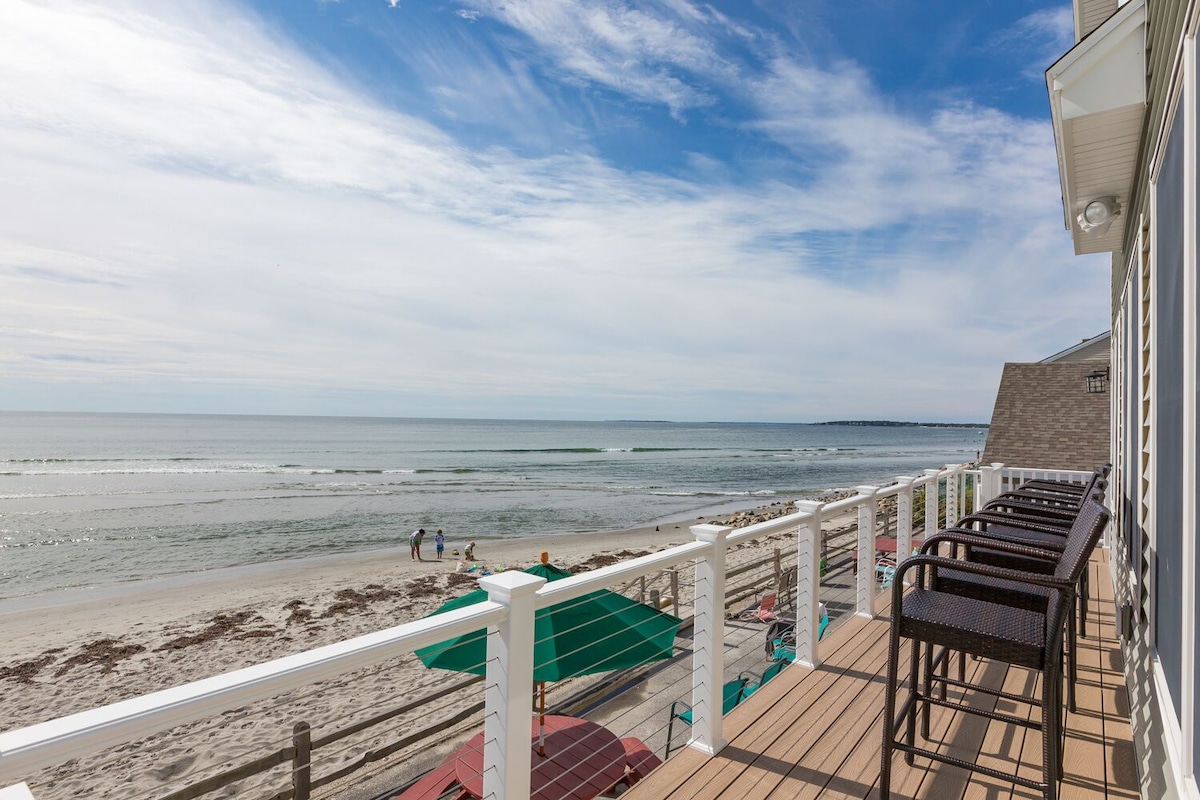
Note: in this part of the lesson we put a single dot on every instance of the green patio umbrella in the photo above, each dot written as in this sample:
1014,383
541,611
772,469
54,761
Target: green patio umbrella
598,632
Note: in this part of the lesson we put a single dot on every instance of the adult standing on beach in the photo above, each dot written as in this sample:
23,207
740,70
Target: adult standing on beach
414,544
440,541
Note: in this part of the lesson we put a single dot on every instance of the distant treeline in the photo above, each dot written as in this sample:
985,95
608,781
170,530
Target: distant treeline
888,423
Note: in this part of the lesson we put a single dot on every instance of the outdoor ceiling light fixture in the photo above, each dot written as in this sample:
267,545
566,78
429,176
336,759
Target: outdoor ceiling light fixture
1098,215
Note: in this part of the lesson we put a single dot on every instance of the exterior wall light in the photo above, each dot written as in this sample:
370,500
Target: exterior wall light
1097,382
1098,215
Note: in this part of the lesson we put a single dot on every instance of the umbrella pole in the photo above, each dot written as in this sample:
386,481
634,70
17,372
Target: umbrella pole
542,721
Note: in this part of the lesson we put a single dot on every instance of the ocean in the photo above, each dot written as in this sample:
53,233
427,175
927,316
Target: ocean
100,499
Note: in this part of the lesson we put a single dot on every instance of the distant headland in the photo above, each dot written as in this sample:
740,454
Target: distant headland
888,423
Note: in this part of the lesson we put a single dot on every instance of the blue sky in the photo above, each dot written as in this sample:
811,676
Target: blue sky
744,210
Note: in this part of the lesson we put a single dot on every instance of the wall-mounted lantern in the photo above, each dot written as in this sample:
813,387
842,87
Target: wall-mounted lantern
1097,382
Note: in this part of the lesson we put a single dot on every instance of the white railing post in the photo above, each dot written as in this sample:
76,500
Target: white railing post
708,642
904,519
808,582
867,511
998,480
983,490
952,481
931,501
508,696
904,512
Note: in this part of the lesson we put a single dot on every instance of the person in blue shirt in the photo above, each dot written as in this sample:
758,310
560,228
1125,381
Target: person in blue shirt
440,541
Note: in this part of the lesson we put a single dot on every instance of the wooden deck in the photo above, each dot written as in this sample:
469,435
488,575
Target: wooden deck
817,734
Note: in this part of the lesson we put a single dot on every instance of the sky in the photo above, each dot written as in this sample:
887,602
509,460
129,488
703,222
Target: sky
741,210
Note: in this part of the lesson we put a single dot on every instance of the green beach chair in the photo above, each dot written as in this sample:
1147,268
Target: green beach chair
732,693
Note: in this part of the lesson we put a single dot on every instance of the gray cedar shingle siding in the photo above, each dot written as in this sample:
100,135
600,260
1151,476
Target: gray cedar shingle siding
1045,418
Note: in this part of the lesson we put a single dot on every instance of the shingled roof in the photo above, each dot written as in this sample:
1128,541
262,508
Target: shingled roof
1045,417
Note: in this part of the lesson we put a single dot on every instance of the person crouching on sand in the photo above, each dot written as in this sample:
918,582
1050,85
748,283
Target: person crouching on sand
469,552
414,544
440,541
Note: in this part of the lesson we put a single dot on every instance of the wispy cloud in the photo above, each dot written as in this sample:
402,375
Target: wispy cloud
1039,38
201,208
649,57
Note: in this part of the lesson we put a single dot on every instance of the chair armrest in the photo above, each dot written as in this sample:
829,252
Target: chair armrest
972,538
676,703
1055,547
1010,520
934,562
1053,514
1040,498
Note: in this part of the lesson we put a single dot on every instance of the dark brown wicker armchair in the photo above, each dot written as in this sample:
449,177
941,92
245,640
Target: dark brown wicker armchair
931,618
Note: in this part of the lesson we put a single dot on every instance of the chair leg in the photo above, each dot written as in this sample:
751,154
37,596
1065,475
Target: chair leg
914,700
1084,596
928,685
889,714
1052,744
946,656
1072,668
670,730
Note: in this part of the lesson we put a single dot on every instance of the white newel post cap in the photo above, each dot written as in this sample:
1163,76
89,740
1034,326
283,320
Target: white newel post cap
503,586
809,506
904,480
867,491
711,533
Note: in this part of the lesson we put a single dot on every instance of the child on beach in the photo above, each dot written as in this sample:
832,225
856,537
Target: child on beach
414,544
440,541
469,552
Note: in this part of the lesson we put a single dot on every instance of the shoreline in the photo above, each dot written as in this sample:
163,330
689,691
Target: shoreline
101,646
500,550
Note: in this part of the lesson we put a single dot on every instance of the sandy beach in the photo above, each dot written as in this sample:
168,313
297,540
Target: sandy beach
79,650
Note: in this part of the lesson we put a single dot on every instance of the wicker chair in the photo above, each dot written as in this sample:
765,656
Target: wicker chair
1022,637
1064,487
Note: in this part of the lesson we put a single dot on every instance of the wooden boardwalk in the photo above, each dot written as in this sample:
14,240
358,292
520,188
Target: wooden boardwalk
817,734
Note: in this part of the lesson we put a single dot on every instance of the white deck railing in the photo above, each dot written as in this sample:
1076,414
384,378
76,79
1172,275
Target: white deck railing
514,598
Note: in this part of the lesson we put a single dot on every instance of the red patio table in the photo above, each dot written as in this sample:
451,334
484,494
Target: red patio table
582,761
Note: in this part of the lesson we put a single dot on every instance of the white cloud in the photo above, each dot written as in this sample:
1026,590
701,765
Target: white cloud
1039,38
200,211
629,50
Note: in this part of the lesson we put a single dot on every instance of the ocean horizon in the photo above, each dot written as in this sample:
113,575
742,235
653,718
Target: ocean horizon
100,499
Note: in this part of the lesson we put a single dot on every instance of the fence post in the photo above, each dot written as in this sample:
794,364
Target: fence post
301,761
952,481
984,492
904,514
931,501
808,583
708,642
867,508
904,518
508,696
675,591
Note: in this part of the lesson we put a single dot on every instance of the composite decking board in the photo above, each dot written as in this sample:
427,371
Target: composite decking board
787,699
951,733
1119,763
678,770
805,746
1006,745
1084,757
804,751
